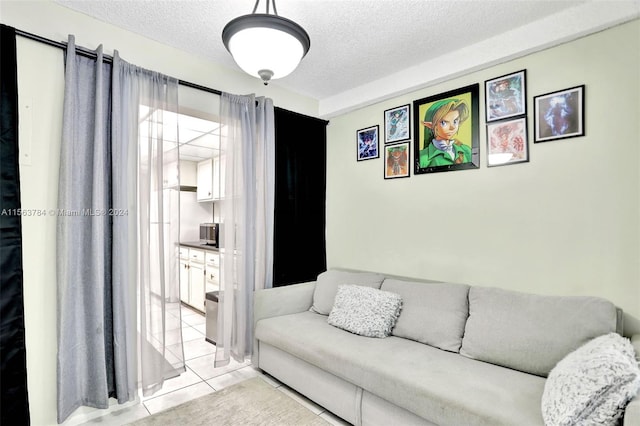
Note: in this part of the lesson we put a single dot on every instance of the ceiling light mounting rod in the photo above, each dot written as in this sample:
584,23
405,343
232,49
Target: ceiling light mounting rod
273,2
266,45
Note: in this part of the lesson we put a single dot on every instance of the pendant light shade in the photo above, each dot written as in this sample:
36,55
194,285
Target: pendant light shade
266,45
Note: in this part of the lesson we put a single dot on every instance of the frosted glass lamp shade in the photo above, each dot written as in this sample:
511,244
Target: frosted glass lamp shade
266,46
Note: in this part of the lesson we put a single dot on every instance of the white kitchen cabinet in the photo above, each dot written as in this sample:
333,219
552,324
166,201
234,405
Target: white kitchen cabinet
184,281
170,173
212,271
196,278
188,173
210,175
199,274
184,274
218,177
204,190
196,281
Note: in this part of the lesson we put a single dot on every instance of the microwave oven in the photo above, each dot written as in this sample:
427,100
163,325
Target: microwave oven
209,234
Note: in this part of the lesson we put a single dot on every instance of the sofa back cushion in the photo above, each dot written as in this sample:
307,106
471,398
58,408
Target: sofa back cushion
328,282
433,313
531,333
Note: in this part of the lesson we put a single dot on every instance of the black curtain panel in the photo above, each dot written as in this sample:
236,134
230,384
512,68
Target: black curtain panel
299,253
14,406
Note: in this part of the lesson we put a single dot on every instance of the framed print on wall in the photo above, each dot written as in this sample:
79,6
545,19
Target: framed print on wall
396,124
507,142
396,160
368,143
446,131
559,115
505,96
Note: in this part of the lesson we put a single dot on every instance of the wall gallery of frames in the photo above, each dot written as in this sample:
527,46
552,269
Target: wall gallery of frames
446,127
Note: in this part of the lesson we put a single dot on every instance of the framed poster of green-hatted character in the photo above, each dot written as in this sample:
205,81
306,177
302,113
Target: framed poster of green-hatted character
446,131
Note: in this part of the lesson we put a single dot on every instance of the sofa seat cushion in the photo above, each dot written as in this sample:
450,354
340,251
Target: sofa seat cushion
432,313
529,332
439,386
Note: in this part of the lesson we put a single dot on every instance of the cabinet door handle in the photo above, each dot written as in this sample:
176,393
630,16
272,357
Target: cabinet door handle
211,276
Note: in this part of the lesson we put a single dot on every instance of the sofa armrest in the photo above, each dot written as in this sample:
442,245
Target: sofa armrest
277,301
632,412
635,341
291,299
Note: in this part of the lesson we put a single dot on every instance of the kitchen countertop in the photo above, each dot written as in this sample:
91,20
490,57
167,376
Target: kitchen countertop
198,245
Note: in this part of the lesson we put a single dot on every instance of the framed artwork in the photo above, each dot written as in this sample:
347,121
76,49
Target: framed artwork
559,115
396,160
397,126
506,96
446,131
507,142
368,143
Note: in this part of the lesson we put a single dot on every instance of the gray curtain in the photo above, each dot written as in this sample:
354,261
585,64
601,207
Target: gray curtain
118,227
247,144
84,238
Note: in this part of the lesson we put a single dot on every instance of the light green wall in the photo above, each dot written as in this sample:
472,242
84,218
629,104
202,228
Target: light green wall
40,116
567,222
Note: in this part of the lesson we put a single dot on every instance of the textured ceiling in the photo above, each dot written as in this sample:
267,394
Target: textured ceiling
353,42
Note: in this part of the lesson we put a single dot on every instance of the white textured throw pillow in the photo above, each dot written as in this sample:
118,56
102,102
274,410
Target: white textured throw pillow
365,311
593,384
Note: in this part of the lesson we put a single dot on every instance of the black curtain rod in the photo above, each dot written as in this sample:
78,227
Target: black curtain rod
105,58
109,59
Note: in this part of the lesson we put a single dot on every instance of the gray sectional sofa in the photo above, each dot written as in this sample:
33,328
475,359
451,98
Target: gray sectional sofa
458,355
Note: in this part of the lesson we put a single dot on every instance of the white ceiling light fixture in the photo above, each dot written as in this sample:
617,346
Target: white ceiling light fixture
266,45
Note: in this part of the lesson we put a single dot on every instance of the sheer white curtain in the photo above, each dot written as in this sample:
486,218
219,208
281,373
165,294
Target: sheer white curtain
246,252
146,131
117,244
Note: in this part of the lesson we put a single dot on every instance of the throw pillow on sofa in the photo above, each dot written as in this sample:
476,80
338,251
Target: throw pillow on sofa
365,311
328,282
593,384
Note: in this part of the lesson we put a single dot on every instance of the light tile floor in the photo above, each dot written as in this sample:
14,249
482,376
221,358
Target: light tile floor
201,379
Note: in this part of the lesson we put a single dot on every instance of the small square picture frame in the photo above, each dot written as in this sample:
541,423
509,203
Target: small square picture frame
397,124
507,142
397,160
506,96
559,114
367,141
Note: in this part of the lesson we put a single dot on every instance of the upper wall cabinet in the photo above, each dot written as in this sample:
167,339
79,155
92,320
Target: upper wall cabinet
218,177
188,173
204,191
199,140
210,181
